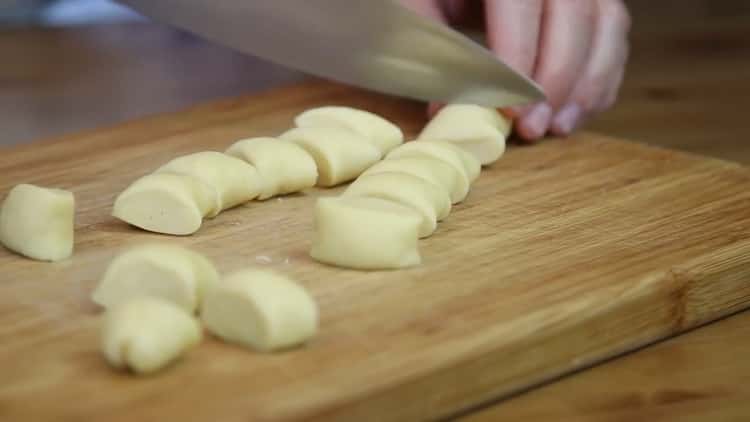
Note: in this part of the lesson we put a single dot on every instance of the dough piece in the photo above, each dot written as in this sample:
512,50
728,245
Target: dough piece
261,309
388,240
166,203
284,167
382,133
464,163
234,180
475,129
340,154
434,171
171,273
412,191
38,222
146,334
471,163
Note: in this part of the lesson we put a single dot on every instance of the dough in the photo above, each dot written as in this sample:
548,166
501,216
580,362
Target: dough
434,171
234,180
464,163
340,154
260,309
388,240
171,273
38,222
475,129
284,167
166,203
427,199
471,163
147,333
382,133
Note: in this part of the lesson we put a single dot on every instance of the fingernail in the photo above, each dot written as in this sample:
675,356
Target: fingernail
537,121
566,119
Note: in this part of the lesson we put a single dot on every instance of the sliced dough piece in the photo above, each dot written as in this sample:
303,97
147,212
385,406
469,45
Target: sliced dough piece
234,180
412,191
434,171
340,154
172,273
284,167
388,240
471,163
146,334
464,163
38,222
261,309
382,133
468,127
166,203
490,115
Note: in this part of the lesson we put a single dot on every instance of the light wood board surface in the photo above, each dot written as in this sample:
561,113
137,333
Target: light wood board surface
565,253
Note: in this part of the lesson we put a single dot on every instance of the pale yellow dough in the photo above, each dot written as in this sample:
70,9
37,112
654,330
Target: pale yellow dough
263,310
166,203
434,171
427,199
234,180
284,167
38,222
340,154
382,133
365,233
463,162
146,334
478,130
172,273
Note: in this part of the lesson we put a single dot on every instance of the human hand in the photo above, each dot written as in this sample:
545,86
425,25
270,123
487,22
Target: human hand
575,49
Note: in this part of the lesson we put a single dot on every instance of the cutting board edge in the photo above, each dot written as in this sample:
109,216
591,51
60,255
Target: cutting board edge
678,292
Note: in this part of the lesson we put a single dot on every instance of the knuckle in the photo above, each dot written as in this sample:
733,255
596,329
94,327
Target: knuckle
617,12
593,90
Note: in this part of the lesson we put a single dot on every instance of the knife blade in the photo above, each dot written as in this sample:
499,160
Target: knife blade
379,45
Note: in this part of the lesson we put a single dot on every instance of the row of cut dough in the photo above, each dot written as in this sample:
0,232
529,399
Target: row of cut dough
152,292
377,221
329,146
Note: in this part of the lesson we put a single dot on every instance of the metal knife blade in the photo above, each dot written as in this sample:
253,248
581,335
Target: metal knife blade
379,45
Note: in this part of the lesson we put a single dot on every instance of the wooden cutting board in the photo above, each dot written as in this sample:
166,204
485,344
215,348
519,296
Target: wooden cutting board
565,253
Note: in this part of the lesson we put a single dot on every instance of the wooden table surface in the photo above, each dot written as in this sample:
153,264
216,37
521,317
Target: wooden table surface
687,89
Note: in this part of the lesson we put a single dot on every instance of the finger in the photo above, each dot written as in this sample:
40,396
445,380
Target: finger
513,30
427,8
609,53
610,96
566,37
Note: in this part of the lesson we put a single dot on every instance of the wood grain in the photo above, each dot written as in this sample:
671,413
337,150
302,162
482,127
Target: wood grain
698,376
564,254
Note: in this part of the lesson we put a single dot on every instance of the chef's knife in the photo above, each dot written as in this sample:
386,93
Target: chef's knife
375,44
